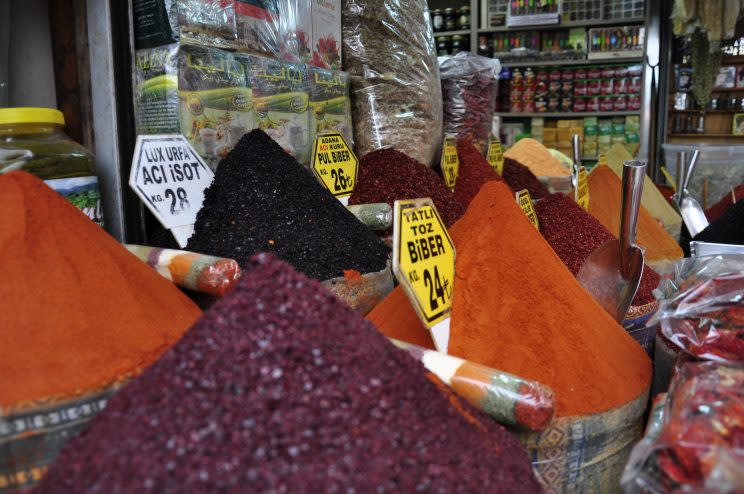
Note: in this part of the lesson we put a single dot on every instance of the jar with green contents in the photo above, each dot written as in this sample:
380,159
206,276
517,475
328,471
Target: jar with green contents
33,140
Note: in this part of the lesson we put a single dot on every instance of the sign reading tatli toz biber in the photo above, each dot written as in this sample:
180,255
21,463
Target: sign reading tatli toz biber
424,263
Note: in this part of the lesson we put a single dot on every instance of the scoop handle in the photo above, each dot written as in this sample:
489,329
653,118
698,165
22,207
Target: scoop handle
691,167
633,174
681,164
576,140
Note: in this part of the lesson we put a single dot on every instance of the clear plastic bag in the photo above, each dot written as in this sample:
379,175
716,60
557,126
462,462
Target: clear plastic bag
469,90
700,307
388,48
695,444
257,26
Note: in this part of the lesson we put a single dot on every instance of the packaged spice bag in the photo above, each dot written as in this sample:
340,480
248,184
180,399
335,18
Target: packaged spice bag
469,87
693,442
388,49
700,309
280,102
257,26
204,22
311,32
156,90
330,108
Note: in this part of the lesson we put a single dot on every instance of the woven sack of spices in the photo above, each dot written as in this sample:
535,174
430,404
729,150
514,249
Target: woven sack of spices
469,87
605,190
79,316
388,49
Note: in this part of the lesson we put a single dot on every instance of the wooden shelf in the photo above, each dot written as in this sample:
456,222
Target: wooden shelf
584,61
716,136
709,112
570,114
462,32
566,25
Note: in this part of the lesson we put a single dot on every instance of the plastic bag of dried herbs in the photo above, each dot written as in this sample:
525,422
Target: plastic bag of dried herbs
469,90
388,49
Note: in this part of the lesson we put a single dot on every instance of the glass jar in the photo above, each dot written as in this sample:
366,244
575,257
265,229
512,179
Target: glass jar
450,22
443,46
437,19
458,44
463,17
33,140
485,48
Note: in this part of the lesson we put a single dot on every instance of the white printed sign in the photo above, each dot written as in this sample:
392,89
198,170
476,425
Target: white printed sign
170,178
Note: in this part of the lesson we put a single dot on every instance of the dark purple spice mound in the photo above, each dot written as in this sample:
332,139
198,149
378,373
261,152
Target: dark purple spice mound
518,177
262,199
728,229
280,387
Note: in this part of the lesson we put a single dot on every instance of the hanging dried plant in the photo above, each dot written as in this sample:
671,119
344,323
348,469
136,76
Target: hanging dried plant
705,67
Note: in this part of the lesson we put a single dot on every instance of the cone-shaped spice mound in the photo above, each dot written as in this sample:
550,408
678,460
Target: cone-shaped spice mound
387,175
280,387
473,171
518,309
537,158
728,229
574,234
519,177
262,199
605,201
78,312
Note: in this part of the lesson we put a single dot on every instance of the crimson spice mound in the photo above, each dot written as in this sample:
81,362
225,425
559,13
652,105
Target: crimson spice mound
280,387
263,200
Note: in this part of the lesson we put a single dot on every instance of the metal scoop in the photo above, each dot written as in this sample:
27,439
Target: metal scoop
691,211
612,273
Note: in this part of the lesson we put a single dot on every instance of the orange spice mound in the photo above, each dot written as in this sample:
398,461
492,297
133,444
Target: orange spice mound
518,309
78,312
605,189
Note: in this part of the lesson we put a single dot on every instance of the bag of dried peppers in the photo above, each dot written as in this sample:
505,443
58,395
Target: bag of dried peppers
694,442
700,307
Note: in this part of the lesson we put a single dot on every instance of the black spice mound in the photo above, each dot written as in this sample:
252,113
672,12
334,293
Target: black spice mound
728,229
280,387
519,177
263,200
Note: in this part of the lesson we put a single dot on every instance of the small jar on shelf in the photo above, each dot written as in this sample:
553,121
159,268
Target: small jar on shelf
437,20
463,17
459,43
450,21
444,46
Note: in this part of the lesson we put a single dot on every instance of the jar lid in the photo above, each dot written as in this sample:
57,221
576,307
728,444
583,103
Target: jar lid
31,115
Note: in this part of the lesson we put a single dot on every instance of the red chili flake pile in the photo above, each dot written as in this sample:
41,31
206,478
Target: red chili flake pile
474,170
574,234
387,175
281,387
519,177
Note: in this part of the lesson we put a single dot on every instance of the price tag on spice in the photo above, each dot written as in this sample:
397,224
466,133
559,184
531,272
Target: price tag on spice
449,163
525,202
335,165
424,263
496,155
169,176
582,189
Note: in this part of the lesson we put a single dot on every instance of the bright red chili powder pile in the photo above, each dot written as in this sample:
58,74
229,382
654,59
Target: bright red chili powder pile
387,175
474,170
574,234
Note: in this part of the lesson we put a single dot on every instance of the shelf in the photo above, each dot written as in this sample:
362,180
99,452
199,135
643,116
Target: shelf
721,90
708,112
569,114
463,32
566,25
547,63
719,136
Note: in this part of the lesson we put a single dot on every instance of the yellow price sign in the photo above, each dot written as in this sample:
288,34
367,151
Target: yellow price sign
424,263
335,164
582,189
525,202
496,155
450,164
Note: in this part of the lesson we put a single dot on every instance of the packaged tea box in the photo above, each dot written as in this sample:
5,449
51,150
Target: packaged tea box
330,107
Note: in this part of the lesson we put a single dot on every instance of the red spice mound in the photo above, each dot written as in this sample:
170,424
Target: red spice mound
716,211
574,234
474,170
519,177
387,175
281,387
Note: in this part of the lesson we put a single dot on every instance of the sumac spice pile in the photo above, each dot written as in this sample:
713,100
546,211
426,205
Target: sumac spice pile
574,234
519,177
280,387
472,173
262,199
386,175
